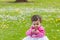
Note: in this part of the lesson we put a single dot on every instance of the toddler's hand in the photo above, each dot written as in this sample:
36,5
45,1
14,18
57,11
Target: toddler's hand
37,31
33,30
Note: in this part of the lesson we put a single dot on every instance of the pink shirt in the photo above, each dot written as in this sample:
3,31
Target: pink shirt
40,34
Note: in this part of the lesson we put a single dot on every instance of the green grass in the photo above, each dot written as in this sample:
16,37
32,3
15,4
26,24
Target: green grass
15,18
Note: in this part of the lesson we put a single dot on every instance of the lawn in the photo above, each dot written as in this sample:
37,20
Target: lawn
15,18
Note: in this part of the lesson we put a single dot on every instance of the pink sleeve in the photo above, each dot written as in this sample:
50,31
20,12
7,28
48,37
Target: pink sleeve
42,32
28,33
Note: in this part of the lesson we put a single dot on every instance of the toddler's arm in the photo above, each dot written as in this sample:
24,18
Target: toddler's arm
36,32
28,33
41,33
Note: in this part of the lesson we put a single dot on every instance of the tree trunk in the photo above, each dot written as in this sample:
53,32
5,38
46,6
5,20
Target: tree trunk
21,0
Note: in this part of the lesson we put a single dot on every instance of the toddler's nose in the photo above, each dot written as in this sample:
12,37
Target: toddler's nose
36,25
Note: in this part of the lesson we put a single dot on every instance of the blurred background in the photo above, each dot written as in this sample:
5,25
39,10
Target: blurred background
15,18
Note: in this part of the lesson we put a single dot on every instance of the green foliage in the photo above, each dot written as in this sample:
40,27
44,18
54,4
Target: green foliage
15,18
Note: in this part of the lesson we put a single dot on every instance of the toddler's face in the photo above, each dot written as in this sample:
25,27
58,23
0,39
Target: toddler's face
36,23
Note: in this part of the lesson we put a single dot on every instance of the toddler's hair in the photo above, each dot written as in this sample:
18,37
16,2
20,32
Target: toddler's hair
35,18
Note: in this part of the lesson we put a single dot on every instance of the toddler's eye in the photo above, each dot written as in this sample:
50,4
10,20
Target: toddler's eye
37,24
34,24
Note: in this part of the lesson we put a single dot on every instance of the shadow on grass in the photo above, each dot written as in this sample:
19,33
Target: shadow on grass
19,2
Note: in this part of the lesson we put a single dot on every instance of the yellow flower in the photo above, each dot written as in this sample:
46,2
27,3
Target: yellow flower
57,19
4,26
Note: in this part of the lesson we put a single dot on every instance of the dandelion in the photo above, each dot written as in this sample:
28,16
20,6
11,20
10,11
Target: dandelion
3,26
58,19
